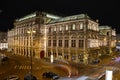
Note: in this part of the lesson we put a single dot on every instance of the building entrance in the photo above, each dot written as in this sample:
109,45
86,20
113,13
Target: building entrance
42,54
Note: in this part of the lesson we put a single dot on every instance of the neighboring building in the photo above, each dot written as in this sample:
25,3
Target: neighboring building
118,42
107,39
74,38
3,41
10,39
118,39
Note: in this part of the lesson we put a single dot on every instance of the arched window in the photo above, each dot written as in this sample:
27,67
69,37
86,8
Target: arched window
60,28
54,28
73,27
66,28
81,25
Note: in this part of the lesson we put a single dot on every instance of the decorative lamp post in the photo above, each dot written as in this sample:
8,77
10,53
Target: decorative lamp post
31,32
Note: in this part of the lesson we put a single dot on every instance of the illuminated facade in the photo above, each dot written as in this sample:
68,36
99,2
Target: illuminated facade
3,41
21,42
10,39
107,38
74,38
118,39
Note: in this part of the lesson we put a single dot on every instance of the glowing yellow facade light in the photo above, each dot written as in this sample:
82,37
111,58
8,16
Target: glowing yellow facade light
28,32
104,39
31,32
44,38
34,31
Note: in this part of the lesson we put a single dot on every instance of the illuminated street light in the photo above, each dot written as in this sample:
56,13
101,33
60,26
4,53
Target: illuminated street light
31,32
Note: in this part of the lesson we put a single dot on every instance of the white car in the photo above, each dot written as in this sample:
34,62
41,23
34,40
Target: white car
13,77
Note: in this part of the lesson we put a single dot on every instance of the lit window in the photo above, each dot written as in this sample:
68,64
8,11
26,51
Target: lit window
73,27
89,26
94,27
54,28
81,25
60,28
33,23
66,27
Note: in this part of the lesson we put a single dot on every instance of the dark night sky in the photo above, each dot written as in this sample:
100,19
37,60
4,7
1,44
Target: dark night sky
106,11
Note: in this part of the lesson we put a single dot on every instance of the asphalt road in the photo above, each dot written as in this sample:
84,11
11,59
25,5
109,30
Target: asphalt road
19,65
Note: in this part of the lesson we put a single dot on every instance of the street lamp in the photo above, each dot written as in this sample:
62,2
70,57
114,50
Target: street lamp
31,32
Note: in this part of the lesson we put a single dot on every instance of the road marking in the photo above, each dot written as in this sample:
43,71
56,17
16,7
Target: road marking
25,67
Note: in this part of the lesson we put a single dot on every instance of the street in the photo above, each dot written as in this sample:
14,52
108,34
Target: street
19,65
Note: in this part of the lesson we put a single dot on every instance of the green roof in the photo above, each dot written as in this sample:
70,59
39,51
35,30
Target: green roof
104,27
34,14
27,17
52,16
68,18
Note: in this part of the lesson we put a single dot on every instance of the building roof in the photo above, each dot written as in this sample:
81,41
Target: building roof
68,18
27,17
52,16
104,27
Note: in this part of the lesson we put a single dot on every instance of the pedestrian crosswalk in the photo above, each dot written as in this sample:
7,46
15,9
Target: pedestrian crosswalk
24,67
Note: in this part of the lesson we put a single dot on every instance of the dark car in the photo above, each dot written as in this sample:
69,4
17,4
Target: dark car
95,61
29,76
50,75
5,59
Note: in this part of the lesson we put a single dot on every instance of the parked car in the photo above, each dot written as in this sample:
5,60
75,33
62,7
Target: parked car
12,77
52,75
29,76
4,59
96,61
55,77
